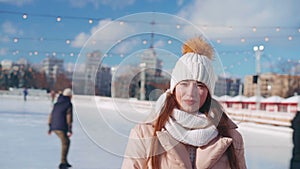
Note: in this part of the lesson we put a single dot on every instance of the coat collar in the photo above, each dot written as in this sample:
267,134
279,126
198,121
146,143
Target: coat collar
206,156
174,149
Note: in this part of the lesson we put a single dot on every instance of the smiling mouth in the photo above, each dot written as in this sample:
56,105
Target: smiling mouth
190,102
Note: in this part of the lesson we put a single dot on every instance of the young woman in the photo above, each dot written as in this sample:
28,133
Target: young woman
191,129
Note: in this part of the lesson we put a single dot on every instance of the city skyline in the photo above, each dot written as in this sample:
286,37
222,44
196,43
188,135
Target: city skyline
36,29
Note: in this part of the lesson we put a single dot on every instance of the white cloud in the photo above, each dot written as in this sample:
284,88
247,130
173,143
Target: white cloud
83,37
114,4
9,28
127,46
180,2
241,15
17,2
4,39
3,51
104,36
80,40
159,44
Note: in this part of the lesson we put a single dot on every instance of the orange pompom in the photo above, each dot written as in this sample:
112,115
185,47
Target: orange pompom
198,45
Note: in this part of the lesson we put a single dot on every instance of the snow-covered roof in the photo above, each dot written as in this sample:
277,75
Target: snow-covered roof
273,99
238,98
215,97
224,98
293,99
253,99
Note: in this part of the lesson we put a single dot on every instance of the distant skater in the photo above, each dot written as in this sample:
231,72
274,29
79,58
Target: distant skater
60,122
52,95
295,161
25,93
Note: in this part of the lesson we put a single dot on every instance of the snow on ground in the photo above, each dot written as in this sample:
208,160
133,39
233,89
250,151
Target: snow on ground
100,130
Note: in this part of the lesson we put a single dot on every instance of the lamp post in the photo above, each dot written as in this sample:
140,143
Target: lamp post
258,52
143,79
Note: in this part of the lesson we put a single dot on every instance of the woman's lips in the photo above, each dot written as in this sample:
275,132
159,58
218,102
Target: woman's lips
190,102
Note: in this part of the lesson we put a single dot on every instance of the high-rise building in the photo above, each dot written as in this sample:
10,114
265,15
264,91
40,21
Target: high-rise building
103,81
227,86
145,81
6,64
152,64
52,67
91,67
272,84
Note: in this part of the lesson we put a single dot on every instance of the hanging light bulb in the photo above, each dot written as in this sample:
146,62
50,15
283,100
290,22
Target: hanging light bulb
68,41
90,21
267,39
254,29
243,40
218,41
178,26
15,40
58,19
169,42
277,29
25,16
290,38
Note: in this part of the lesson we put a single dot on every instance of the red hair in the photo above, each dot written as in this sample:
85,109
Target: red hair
220,121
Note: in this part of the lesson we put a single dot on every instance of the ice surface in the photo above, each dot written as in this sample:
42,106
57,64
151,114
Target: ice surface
100,134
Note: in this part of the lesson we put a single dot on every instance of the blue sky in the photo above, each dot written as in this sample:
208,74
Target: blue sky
232,26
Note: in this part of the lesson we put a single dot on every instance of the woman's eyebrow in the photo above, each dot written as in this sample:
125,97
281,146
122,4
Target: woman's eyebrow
200,83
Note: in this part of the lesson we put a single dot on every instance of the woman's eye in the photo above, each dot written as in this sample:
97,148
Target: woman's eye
201,86
183,83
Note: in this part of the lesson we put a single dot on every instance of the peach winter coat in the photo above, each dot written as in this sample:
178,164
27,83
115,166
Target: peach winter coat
174,154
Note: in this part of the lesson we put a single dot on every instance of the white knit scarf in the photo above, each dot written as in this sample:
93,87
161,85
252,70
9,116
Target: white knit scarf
192,129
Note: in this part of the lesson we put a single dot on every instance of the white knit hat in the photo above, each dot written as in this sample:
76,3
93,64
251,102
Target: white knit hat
192,66
67,92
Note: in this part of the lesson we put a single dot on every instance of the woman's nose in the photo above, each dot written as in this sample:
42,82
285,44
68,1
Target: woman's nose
192,87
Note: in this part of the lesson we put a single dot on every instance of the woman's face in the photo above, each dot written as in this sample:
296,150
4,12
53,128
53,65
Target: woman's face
190,95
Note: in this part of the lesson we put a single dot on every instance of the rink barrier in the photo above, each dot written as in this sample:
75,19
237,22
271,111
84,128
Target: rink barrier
262,117
242,115
136,103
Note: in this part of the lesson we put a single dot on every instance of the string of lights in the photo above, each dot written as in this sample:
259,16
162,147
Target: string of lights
178,26
243,54
217,40
59,18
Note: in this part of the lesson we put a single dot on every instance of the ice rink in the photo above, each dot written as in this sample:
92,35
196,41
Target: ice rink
100,134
